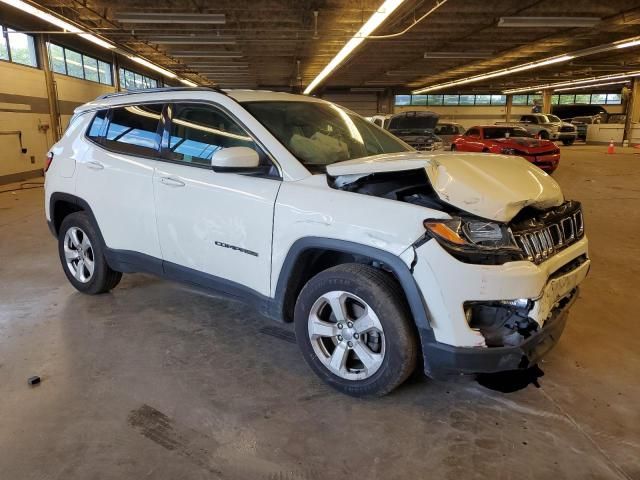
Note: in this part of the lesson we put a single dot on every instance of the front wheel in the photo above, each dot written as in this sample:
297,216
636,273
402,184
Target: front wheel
568,142
82,256
543,135
453,148
354,330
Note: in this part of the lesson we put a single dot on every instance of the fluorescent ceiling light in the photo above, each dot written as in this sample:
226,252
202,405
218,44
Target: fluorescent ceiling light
569,83
627,44
457,54
47,17
379,16
188,82
153,66
97,40
204,54
548,22
189,40
206,66
58,22
582,87
497,73
170,17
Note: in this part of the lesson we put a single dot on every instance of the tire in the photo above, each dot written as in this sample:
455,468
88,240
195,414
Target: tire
453,148
82,256
567,142
543,135
385,337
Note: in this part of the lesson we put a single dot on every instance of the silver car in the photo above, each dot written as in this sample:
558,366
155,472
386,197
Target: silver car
448,131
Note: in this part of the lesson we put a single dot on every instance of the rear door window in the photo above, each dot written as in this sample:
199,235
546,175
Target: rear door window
134,129
97,125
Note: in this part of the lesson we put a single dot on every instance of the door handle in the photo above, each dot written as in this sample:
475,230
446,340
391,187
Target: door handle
95,165
172,182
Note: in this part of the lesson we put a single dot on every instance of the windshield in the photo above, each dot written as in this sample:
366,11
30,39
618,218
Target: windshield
505,132
319,134
411,122
553,119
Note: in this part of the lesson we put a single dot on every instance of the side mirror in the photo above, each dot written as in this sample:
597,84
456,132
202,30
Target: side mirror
235,159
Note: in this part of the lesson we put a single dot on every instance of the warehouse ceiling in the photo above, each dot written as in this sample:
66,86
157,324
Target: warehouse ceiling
282,44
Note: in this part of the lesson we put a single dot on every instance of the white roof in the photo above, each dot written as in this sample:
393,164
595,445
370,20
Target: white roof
190,94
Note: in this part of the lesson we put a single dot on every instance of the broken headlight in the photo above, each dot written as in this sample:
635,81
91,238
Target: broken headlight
475,240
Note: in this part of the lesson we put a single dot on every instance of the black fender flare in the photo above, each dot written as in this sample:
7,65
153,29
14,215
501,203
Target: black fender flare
401,271
75,200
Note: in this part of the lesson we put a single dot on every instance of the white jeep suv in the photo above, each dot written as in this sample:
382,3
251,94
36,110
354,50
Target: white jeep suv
385,258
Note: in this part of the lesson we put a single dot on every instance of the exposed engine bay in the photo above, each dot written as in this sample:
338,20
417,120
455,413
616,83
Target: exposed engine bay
411,186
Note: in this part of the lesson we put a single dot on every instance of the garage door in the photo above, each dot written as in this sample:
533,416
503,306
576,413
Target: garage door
365,104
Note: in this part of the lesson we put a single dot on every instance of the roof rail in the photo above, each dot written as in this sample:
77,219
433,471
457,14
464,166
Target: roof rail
161,89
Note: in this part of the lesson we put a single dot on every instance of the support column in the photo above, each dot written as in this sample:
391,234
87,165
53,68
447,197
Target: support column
52,94
115,72
507,110
546,101
632,111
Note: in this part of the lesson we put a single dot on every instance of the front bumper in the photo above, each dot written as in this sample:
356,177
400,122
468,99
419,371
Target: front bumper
442,360
447,284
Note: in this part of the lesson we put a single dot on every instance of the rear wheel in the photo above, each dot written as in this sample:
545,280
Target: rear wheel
543,135
354,330
453,148
568,142
82,256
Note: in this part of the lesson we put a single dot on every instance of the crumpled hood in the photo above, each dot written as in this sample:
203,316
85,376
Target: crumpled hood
494,187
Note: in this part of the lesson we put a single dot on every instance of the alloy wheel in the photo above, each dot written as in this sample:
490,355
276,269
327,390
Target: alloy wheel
79,254
346,335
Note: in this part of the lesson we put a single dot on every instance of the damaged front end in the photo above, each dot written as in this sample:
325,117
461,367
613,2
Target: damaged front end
500,273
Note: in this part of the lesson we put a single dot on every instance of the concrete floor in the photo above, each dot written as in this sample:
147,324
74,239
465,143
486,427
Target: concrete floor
154,380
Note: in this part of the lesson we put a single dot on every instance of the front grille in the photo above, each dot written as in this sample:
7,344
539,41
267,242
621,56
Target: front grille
422,146
543,236
567,128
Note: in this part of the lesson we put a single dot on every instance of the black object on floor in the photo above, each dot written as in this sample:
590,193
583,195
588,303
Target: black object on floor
511,380
35,380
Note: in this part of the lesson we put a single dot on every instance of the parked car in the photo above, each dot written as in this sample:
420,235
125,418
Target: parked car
386,259
380,120
510,141
546,127
569,112
416,129
447,132
581,124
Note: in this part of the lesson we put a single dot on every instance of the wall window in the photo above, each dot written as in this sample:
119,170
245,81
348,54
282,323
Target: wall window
467,99
451,99
75,64
519,100
130,80
614,99
17,47
531,99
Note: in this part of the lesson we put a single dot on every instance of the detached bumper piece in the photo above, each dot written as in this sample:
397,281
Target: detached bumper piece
442,360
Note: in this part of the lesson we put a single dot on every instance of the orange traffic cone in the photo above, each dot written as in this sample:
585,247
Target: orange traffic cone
611,149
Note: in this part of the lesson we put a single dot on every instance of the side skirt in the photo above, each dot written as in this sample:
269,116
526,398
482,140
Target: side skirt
127,261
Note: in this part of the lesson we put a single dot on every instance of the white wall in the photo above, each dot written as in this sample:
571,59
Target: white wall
24,107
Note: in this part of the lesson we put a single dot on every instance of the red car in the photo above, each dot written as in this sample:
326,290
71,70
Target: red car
509,141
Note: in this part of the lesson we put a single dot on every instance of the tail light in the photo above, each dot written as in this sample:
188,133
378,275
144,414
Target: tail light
47,162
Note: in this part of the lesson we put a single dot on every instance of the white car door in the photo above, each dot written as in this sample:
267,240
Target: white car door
214,228
115,177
